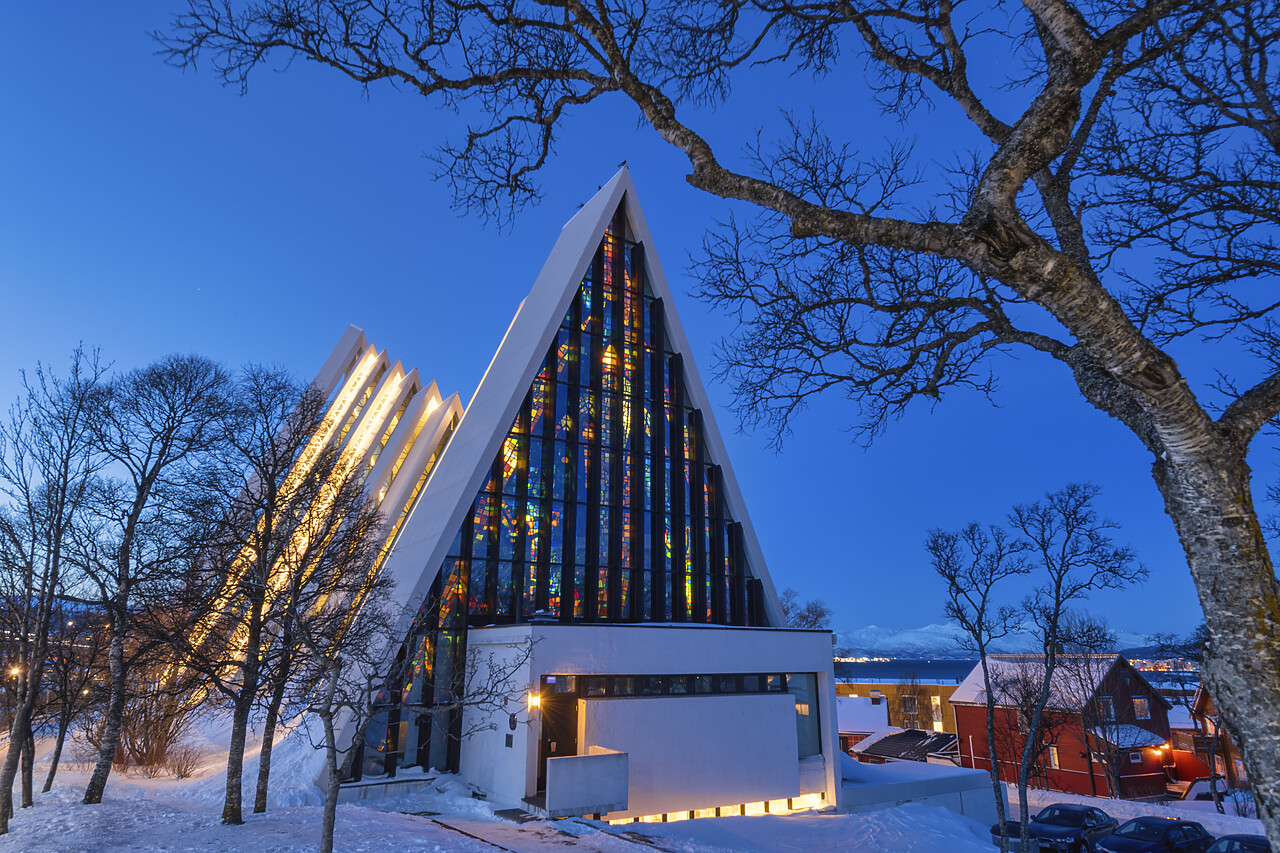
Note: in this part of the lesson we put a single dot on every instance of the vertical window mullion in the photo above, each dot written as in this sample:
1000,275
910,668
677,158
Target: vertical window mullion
657,466
697,519
717,561
678,545
590,576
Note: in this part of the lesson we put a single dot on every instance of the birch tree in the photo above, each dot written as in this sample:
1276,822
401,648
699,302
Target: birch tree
162,430
977,565
48,476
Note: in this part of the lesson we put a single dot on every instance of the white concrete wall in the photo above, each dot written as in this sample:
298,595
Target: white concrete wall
587,784
698,752
485,759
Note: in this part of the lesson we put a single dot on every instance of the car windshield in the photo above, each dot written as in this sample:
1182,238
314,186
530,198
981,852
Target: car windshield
1058,816
1141,830
1237,845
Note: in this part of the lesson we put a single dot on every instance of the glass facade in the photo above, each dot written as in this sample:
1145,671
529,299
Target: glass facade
602,505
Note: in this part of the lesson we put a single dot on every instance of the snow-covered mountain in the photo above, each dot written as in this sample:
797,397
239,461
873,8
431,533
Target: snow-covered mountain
938,640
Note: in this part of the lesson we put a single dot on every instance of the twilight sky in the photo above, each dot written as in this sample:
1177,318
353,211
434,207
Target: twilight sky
147,211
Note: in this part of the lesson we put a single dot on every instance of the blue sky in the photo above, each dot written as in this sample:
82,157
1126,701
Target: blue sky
146,211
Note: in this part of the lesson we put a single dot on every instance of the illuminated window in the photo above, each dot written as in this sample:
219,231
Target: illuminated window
1140,708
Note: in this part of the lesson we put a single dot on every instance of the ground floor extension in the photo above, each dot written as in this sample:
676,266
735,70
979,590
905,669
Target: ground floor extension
641,720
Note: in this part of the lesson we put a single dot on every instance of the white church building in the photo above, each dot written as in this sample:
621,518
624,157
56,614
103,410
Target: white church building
581,517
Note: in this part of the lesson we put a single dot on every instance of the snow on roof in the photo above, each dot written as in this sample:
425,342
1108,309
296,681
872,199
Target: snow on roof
908,745
858,714
1127,736
1180,718
1076,678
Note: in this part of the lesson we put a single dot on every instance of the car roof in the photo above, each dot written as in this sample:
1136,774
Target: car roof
1071,807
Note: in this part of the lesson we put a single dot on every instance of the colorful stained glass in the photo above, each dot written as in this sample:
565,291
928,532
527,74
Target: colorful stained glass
607,411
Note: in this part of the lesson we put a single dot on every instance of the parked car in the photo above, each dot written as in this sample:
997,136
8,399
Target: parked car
1241,844
1156,835
1071,827
1235,801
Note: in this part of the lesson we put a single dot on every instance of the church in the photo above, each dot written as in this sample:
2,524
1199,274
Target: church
580,523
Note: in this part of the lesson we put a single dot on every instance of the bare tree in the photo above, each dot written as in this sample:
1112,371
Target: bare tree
812,614
279,443
48,475
1186,653
1075,556
162,429
1089,655
77,664
975,562
1081,137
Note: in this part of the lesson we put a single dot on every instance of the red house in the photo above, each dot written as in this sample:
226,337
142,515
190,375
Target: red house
1104,732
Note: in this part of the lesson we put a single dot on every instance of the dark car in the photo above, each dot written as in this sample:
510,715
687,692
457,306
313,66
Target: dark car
1241,844
1156,835
1070,827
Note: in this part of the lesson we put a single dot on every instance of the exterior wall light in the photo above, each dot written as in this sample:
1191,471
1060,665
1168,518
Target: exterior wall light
534,700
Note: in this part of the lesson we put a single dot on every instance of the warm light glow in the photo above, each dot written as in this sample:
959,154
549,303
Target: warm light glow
13,670
534,700
85,692
937,727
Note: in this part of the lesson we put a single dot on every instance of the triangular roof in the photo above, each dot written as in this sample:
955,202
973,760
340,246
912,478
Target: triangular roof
460,472
1077,678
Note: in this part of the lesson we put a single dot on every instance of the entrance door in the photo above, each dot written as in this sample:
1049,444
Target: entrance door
559,711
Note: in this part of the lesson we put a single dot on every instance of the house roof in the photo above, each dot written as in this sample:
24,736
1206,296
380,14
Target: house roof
1077,678
858,714
1127,736
907,744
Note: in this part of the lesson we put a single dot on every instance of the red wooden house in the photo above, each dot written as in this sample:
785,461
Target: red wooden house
1104,724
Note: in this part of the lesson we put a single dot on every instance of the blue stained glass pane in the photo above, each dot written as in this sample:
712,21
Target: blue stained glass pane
580,535
536,486
584,294
560,474
606,459
604,537
586,416
475,589
505,589
589,346
557,532
584,470
564,417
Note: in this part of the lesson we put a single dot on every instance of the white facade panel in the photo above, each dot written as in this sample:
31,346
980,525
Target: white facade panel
697,752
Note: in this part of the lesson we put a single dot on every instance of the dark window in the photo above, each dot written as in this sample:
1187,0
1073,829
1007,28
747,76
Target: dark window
624,685
595,685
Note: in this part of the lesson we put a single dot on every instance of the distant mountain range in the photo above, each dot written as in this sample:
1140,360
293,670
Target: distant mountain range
938,641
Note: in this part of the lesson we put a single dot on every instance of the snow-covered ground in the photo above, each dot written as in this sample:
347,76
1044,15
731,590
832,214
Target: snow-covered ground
164,814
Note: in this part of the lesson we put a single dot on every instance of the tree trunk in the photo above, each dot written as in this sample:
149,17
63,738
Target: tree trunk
996,786
331,787
111,728
331,754
1208,497
17,740
28,769
268,738
64,723
231,806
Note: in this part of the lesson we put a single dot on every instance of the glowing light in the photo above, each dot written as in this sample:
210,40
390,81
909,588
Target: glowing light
535,700
13,670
